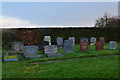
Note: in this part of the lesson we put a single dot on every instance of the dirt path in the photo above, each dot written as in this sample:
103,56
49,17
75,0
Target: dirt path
71,59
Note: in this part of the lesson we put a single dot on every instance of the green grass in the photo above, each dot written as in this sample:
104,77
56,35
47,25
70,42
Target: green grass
77,54
106,67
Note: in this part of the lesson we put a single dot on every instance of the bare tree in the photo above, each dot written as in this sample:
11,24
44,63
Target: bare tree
107,21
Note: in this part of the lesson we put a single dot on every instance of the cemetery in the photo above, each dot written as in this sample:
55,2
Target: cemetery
37,57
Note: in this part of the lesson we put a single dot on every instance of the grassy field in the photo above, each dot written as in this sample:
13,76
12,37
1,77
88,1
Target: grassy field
79,68
102,67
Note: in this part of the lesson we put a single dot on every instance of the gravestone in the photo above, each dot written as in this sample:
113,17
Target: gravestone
42,44
50,50
99,45
84,45
59,41
93,40
17,46
47,38
82,39
68,46
72,39
102,39
112,45
31,52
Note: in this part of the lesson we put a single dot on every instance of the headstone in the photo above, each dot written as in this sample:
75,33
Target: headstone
112,45
50,50
84,45
99,45
82,39
59,41
72,39
68,46
42,44
47,38
102,39
17,46
31,52
93,40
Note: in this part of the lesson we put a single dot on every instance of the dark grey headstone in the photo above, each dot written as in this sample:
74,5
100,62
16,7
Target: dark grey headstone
68,46
59,41
17,46
42,44
50,50
47,38
31,52
82,39
93,40
72,39
112,45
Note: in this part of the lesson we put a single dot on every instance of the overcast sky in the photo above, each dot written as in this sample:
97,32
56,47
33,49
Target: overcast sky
55,13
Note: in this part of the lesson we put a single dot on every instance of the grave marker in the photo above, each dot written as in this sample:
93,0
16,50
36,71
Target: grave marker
17,46
102,39
112,45
42,44
59,41
68,46
99,45
47,38
50,50
72,39
93,40
31,52
83,46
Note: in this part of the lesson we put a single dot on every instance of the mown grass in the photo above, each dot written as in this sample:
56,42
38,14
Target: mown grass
77,54
105,67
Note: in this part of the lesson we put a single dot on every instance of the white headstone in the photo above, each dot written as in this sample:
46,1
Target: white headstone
47,38
93,40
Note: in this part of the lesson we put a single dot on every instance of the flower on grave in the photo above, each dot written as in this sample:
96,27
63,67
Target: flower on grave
91,43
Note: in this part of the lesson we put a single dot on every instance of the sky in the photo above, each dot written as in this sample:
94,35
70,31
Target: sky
82,14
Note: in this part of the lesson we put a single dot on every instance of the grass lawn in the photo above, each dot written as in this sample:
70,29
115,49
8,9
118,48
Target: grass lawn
104,67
